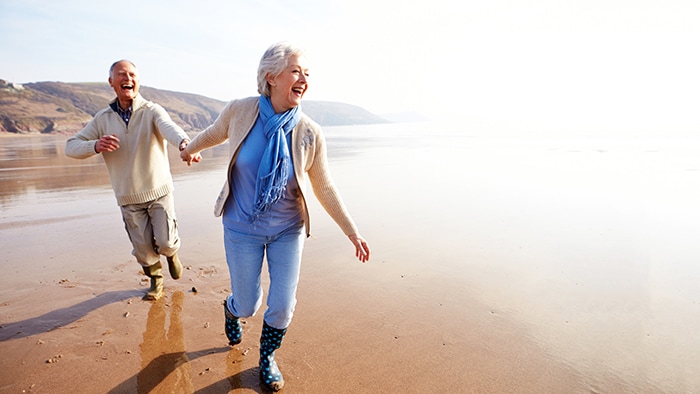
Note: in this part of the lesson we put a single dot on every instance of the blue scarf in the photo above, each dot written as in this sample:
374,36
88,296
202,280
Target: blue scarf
274,165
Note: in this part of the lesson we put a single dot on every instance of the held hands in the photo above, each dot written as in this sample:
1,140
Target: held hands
108,143
361,248
189,158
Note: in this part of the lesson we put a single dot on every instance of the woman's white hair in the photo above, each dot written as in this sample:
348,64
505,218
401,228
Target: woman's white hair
273,62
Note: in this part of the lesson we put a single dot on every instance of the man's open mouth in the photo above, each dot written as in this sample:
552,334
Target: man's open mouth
128,87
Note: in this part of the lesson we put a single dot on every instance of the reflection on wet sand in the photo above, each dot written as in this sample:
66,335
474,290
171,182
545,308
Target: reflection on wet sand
36,164
164,361
166,366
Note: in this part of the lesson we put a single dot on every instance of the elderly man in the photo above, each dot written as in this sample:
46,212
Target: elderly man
132,135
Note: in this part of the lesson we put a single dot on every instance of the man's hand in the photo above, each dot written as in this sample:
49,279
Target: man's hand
108,143
183,144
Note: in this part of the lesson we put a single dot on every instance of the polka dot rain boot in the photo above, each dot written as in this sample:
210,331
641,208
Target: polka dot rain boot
270,340
232,326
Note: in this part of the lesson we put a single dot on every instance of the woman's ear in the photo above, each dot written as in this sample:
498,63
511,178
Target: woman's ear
271,80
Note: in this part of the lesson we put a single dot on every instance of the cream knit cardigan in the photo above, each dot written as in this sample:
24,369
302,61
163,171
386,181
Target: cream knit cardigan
139,169
308,152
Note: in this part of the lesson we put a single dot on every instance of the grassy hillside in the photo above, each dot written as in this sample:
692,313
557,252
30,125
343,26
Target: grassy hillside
64,108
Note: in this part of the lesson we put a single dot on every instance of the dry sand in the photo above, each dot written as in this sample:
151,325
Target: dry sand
428,313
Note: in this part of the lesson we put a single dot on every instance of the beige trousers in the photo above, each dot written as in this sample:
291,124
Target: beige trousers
152,229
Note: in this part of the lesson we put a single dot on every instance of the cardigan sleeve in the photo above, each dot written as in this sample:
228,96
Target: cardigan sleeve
215,134
325,190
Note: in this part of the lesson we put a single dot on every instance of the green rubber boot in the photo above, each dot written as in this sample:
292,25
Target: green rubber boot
155,272
174,266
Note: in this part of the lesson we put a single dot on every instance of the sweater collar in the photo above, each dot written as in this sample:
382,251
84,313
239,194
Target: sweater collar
138,102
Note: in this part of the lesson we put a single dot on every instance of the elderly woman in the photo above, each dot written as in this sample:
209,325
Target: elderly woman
275,148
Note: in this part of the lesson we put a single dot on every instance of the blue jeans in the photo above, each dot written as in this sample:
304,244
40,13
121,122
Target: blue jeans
244,255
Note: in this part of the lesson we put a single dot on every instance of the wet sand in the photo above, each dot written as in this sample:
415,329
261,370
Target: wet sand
486,276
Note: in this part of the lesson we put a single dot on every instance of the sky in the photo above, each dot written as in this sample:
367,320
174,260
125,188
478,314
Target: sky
592,67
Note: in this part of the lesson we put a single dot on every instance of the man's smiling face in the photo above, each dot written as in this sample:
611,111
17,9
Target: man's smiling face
124,79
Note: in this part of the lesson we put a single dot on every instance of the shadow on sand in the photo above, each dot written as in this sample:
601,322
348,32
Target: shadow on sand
248,379
62,317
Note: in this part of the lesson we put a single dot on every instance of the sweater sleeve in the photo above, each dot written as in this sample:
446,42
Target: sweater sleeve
325,190
82,144
167,127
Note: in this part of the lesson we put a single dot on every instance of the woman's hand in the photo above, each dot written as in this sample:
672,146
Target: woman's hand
361,248
189,158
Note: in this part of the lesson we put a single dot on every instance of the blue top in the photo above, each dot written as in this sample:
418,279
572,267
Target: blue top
239,206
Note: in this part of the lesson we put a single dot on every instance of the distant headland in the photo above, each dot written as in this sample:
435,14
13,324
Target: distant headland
65,108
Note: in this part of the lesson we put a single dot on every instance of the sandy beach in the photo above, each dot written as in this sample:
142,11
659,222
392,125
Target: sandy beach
498,266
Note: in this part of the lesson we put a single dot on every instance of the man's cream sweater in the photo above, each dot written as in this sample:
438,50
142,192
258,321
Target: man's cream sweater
308,154
139,170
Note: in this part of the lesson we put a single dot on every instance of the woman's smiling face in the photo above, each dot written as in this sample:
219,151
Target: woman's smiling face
288,87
